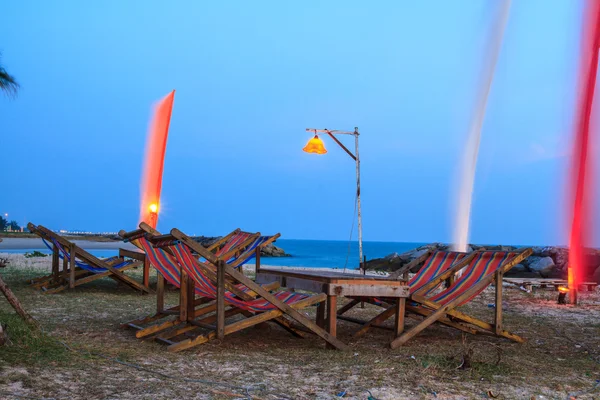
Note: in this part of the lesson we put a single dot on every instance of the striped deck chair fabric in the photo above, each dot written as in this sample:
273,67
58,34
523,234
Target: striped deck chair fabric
190,264
237,240
163,262
437,263
169,267
483,269
96,270
484,264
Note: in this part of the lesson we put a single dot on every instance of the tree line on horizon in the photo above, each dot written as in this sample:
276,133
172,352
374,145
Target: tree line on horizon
6,225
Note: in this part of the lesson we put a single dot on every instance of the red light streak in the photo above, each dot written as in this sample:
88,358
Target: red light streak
156,146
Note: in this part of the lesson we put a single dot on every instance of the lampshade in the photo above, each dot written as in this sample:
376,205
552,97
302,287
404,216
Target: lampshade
315,145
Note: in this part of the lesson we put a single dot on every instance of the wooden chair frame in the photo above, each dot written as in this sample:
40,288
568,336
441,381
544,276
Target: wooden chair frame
220,329
73,276
389,304
192,310
434,312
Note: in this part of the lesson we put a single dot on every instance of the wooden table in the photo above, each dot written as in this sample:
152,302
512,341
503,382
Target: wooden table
336,284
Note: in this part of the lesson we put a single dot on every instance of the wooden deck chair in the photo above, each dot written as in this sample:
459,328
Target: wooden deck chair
483,269
436,263
192,303
80,267
265,307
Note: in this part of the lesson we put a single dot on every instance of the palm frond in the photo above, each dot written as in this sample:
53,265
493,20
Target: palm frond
8,84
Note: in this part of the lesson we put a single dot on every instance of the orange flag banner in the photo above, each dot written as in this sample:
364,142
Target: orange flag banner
152,172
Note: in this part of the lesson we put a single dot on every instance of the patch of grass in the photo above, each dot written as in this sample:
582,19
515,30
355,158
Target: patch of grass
35,254
28,346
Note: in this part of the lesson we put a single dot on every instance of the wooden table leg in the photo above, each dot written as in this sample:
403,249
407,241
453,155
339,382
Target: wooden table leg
332,317
321,315
399,320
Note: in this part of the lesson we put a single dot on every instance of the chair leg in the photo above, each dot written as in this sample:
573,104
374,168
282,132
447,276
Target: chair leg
399,341
399,320
498,313
387,313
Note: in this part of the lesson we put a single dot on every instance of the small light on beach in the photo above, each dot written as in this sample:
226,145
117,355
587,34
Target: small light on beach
315,145
153,208
562,294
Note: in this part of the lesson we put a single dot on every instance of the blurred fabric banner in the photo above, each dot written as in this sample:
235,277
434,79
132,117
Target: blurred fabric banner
152,171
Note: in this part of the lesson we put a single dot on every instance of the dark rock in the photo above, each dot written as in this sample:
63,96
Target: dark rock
543,265
517,269
391,257
206,240
273,251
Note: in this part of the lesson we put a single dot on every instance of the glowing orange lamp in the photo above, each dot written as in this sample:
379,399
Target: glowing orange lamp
315,145
153,208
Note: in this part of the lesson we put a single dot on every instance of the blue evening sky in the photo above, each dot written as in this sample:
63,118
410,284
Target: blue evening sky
250,77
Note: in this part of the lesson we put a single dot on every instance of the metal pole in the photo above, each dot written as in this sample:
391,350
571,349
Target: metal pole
360,245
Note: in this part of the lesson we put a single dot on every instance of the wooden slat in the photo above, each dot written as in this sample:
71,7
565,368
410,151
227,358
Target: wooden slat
55,263
321,315
136,255
191,297
257,260
305,284
322,276
65,270
220,299
498,314
183,296
73,253
399,320
394,289
331,316
377,320
245,323
160,293
348,306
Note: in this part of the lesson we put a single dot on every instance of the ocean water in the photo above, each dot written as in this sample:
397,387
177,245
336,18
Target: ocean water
304,253
332,253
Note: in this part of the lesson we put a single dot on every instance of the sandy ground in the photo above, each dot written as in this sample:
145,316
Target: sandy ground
559,360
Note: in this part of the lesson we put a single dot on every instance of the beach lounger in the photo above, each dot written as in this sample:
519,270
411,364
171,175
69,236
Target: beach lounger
211,279
229,247
483,269
80,267
435,263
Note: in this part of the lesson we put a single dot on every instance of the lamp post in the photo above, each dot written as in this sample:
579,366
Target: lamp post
316,146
